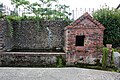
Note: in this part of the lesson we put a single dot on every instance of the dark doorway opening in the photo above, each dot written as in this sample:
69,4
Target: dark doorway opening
80,40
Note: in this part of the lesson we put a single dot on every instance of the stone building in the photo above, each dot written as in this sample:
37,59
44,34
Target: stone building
81,41
82,38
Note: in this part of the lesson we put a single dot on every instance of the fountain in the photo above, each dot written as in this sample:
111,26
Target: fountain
49,37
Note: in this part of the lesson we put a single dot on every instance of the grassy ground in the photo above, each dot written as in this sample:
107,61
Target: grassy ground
94,66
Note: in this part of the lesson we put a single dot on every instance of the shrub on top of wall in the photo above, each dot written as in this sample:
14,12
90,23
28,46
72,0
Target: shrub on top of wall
110,18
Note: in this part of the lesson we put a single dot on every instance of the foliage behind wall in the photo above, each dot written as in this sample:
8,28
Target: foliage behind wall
110,18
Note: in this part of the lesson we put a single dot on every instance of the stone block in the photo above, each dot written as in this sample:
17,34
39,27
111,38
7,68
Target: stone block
116,56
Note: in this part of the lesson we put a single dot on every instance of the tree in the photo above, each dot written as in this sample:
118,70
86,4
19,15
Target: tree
1,10
18,3
110,18
44,8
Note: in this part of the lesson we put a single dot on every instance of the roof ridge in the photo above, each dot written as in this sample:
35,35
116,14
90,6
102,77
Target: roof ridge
86,15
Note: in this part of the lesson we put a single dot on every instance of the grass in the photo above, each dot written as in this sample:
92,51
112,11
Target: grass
94,66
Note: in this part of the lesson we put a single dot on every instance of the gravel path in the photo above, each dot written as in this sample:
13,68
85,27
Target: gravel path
9,73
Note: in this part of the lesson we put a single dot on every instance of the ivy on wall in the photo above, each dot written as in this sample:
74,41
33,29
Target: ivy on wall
9,28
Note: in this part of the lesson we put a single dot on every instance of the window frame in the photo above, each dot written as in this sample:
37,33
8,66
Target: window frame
80,39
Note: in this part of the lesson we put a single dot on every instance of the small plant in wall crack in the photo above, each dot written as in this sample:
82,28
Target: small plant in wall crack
10,19
38,26
60,61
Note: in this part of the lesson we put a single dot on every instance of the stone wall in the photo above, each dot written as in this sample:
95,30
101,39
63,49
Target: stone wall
116,56
30,59
2,32
29,35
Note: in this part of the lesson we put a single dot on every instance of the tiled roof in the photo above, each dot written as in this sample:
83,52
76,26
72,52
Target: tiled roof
87,21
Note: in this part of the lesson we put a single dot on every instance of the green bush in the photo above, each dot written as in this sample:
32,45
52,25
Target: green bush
60,61
105,59
105,52
110,18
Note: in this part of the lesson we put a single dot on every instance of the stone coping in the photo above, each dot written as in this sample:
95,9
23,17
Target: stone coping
38,53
